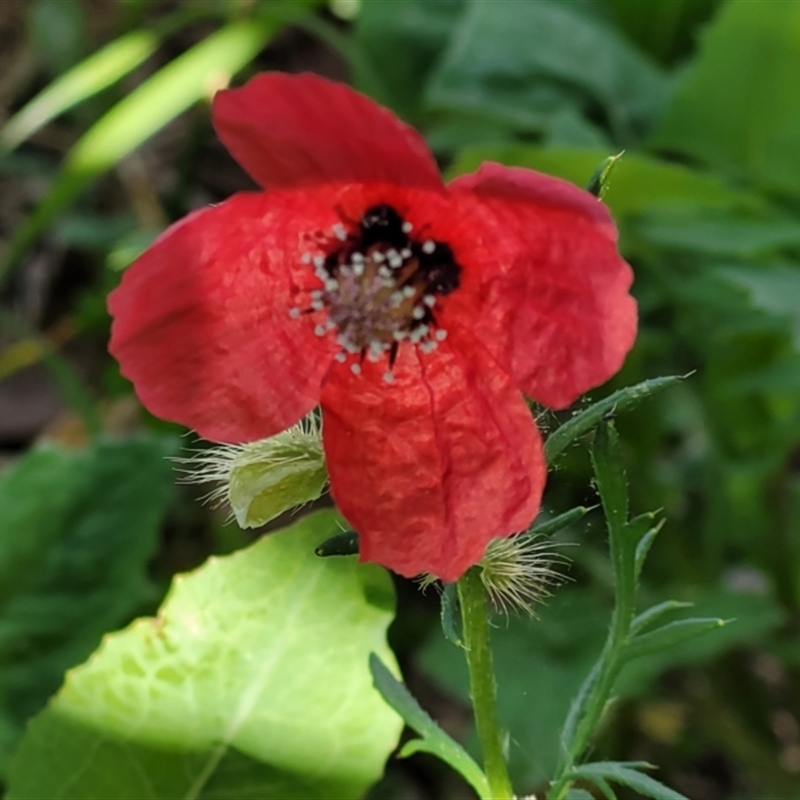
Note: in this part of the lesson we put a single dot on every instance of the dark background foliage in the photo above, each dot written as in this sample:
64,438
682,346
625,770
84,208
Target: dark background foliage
701,94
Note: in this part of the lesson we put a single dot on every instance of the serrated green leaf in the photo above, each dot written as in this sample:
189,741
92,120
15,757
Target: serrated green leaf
583,421
91,76
669,635
255,666
172,90
78,528
654,613
627,773
436,741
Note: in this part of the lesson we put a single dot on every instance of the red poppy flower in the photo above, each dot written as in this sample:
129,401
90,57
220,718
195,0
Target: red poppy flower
416,313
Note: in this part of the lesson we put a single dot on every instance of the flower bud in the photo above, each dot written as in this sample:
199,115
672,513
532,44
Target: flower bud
260,480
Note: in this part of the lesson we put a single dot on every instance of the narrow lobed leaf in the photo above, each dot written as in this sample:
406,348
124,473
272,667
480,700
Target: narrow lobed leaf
670,635
628,774
654,613
436,741
550,526
585,420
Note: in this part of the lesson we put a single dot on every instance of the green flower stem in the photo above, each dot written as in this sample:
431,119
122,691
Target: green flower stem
483,689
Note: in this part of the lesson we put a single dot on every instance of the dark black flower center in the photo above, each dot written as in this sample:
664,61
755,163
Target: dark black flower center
380,286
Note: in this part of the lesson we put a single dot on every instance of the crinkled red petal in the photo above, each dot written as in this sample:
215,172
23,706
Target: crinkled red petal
300,130
432,466
545,288
201,320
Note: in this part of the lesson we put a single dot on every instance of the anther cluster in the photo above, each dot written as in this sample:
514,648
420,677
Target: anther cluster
379,288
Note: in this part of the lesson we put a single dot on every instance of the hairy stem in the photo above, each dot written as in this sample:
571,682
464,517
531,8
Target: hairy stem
483,689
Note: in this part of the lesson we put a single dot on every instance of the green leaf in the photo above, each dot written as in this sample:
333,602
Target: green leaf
626,773
737,107
725,236
757,617
172,90
254,672
91,76
526,63
434,739
78,528
774,289
641,184
582,422
420,30
670,635
654,613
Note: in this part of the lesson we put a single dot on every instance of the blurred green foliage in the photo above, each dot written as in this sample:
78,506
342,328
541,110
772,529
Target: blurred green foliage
701,94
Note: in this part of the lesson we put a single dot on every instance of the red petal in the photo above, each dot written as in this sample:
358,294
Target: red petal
432,466
201,320
550,296
299,130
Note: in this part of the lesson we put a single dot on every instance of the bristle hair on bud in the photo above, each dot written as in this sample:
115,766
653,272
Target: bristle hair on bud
260,480
520,571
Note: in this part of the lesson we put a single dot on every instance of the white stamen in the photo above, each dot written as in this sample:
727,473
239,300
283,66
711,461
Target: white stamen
318,261
428,347
407,227
405,252
388,377
305,258
331,285
341,357
374,355
418,312
377,257
357,258
396,298
320,330
398,336
409,291
294,313
429,300
428,246
339,231
384,272
355,369
358,268
317,305
441,334
316,294
395,261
